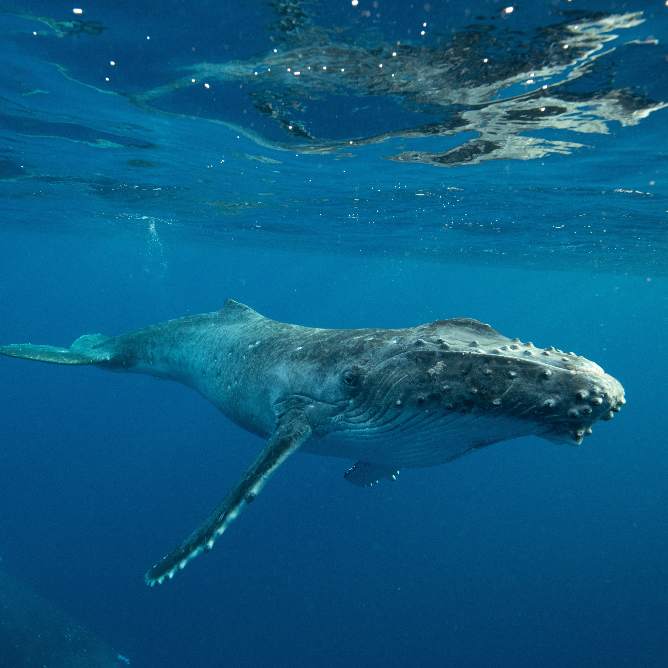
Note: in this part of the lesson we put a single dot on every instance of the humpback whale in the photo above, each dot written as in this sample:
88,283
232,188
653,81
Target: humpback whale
386,399
34,633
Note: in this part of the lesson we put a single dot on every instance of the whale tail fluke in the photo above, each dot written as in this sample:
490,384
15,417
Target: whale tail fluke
87,349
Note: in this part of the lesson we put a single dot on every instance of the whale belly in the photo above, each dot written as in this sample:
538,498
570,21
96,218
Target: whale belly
419,442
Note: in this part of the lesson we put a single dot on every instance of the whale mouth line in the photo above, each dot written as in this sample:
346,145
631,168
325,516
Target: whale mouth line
309,400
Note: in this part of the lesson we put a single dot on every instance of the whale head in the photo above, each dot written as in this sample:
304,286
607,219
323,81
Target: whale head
463,381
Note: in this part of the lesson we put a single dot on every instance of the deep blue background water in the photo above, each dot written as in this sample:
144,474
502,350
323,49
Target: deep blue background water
117,214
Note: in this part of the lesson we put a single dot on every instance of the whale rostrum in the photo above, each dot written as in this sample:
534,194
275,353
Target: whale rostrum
386,399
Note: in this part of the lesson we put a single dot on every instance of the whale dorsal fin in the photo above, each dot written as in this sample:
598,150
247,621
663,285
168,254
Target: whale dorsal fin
292,430
233,310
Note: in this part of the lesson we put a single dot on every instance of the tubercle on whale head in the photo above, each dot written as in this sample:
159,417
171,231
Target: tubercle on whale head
590,397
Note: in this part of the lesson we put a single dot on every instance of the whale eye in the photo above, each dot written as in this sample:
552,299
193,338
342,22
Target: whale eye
351,377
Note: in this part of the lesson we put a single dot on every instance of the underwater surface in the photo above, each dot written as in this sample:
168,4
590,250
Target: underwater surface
349,164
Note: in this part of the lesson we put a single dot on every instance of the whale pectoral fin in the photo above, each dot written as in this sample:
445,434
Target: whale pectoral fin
364,474
292,430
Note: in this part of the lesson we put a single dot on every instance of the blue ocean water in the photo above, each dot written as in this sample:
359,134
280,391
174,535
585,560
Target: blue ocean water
510,166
